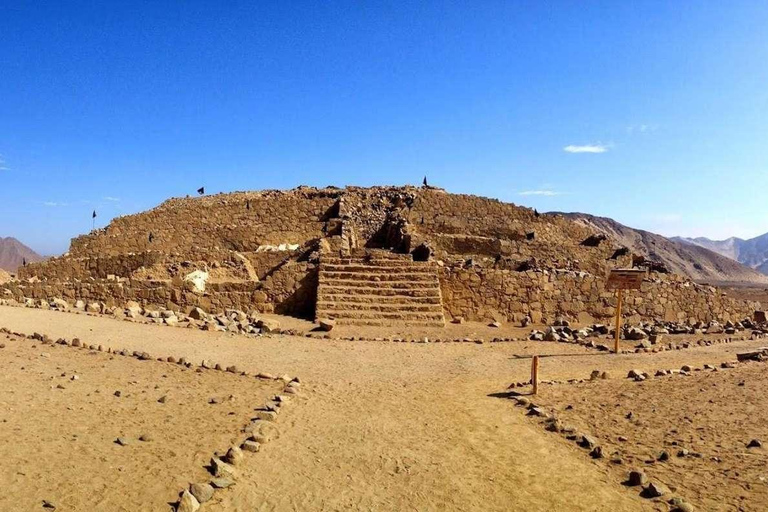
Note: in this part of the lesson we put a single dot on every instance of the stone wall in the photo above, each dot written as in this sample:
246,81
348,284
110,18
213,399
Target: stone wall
240,221
96,267
484,294
291,290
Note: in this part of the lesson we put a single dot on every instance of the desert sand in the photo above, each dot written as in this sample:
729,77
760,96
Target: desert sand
409,426
63,409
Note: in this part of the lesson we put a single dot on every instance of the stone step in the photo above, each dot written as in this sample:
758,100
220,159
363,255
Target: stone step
379,254
424,292
365,283
323,296
409,269
379,276
384,308
381,288
389,323
378,315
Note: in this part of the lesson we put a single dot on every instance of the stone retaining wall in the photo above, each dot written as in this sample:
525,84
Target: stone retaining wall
291,291
484,294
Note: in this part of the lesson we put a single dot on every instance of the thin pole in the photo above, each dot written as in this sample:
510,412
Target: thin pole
618,324
535,374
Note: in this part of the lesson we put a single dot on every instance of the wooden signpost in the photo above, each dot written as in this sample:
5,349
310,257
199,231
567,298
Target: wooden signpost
535,374
623,279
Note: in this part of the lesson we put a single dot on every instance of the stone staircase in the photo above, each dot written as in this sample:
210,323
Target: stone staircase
379,288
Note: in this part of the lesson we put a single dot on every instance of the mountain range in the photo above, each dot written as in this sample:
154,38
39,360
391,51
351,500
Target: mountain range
693,260
13,254
752,253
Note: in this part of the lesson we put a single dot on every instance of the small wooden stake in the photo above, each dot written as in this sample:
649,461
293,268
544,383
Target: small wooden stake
535,374
618,324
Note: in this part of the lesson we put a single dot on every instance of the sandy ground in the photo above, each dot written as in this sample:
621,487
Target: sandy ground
394,426
57,441
712,414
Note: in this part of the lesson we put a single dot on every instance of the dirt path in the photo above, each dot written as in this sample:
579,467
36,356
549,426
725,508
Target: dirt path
389,426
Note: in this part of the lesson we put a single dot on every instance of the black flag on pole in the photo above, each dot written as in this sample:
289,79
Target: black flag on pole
94,214
201,190
425,181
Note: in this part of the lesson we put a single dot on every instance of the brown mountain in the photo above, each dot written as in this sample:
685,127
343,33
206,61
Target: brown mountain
13,253
693,261
752,253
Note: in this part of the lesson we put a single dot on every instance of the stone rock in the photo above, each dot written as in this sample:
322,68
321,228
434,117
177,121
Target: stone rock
754,443
234,456
655,490
221,482
760,317
250,446
587,442
123,441
59,304
187,503
197,314
637,477
93,307
327,324
636,334
266,415
202,492
219,468
268,326
146,438
751,356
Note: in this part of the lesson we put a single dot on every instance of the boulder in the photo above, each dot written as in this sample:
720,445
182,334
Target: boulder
197,314
655,490
219,468
637,477
59,304
268,326
202,492
234,456
326,324
187,503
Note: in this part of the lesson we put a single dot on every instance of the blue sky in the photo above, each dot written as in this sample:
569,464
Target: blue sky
653,113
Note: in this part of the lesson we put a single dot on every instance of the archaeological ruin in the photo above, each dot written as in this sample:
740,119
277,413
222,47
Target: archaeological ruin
374,256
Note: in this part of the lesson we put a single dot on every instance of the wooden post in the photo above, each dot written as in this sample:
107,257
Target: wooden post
535,374
618,324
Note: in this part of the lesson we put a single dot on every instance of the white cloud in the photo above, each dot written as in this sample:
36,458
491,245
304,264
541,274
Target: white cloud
113,199
54,204
587,148
642,128
3,165
547,193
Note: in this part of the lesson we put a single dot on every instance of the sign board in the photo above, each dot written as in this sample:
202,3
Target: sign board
625,279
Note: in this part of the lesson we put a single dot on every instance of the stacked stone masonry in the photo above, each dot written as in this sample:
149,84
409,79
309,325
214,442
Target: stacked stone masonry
264,250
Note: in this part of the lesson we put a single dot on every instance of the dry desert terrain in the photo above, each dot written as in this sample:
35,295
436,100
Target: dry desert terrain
377,426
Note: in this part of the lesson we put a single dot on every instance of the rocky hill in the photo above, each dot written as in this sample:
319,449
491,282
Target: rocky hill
692,260
13,253
752,253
